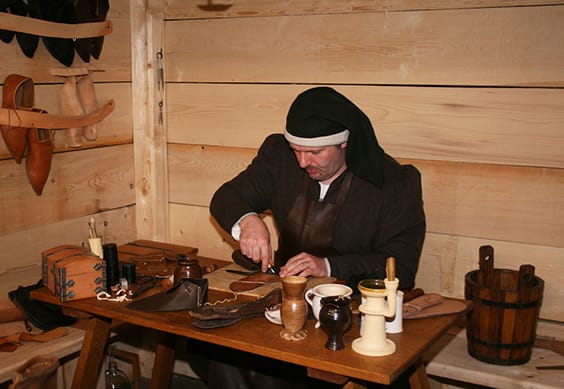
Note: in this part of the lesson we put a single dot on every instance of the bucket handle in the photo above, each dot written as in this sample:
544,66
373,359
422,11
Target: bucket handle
487,265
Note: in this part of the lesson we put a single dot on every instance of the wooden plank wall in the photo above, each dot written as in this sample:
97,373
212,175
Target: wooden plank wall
469,92
96,180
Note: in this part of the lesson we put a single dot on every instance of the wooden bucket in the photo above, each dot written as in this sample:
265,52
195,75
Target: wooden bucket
501,327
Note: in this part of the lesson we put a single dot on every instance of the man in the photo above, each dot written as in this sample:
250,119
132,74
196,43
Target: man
341,205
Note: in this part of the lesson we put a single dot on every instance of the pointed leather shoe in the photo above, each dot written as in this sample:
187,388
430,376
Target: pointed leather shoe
28,42
39,156
17,94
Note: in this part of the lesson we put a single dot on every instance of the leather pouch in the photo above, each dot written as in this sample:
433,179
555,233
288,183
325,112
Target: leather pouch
187,294
43,315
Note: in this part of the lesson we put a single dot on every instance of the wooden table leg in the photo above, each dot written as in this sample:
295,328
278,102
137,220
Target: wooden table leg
418,379
92,353
164,361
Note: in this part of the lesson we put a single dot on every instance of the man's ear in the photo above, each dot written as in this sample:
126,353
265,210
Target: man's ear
344,145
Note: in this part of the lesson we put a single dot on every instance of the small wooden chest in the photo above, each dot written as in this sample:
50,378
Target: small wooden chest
72,272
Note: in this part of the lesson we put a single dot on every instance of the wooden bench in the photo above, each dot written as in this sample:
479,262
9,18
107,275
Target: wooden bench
455,364
60,347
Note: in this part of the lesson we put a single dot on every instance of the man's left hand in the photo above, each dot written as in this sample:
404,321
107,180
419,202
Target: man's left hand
304,264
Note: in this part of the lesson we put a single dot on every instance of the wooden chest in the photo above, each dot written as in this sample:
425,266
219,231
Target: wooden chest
72,272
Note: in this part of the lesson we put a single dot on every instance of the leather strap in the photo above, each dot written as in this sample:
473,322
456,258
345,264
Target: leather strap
54,30
32,119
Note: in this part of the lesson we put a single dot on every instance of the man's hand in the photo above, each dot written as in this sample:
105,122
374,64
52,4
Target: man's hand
304,264
255,240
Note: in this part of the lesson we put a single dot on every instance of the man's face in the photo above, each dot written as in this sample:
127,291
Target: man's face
321,163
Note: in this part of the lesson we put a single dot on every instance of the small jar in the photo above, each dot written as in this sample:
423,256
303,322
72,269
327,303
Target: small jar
186,268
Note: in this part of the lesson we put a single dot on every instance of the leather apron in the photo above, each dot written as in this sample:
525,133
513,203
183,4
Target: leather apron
310,224
309,227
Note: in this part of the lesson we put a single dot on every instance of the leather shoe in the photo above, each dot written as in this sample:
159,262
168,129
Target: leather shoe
90,11
28,43
59,11
39,372
39,156
17,94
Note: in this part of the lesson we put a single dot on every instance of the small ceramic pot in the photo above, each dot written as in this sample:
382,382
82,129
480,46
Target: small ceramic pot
335,317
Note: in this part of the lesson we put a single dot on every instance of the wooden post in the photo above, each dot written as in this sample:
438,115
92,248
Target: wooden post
149,133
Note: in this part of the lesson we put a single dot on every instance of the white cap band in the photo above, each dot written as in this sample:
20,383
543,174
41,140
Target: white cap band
321,141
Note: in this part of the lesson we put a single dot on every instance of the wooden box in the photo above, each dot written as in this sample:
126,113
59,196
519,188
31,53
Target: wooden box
153,258
79,276
72,272
51,256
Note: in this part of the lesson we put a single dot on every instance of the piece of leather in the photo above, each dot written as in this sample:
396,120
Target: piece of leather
30,118
39,157
215,316
43,315
39,372
420,303
46,336
433,305
310,223
242,260
58,11
18,93
187,294
253,281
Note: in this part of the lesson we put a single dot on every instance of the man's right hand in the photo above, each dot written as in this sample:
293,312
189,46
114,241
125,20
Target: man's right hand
255,240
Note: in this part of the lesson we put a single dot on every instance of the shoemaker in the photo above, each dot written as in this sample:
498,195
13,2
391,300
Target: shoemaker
342,206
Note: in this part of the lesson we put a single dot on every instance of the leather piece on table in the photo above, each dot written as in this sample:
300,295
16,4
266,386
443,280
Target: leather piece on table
253,281
187,294
433,305
220,280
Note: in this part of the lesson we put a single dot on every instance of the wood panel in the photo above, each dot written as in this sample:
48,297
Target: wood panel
486,47
79,184
186,9
445,259
116,128
20,257
488,125
151,179
114,63
477,200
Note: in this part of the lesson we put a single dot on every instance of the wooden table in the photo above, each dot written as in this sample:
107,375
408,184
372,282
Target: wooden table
257,336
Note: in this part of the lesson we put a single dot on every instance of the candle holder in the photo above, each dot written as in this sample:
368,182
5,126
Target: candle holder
379,303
